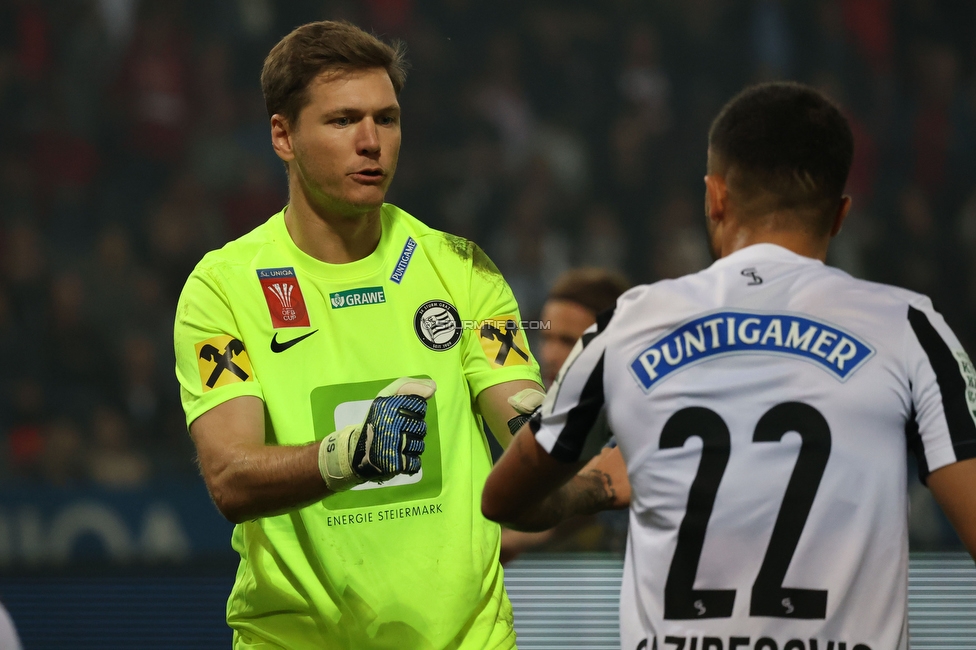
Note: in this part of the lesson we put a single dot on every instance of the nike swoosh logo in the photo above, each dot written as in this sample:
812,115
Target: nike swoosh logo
277,347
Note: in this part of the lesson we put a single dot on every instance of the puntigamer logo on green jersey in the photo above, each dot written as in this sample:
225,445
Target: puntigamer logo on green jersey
355,297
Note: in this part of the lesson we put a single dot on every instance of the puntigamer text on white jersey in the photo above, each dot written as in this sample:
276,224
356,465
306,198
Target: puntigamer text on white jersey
765,407
729,332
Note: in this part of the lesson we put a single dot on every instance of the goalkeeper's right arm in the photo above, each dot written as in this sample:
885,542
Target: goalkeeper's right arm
248,479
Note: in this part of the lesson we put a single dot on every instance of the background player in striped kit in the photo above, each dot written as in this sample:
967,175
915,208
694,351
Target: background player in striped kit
763,407
576,298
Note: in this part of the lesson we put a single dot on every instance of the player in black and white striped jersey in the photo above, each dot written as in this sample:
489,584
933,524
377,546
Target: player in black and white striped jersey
764,407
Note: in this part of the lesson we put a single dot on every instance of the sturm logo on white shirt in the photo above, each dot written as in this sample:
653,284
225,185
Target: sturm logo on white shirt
724,333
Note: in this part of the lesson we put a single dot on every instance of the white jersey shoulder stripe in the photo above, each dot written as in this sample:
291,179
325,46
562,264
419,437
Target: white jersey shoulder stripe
956,379
576,401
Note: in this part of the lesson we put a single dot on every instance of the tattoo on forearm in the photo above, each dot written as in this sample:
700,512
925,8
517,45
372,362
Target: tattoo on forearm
584,494
594,492
609,491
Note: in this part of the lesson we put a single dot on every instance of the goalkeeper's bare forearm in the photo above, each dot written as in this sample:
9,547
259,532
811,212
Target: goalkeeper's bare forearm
247,478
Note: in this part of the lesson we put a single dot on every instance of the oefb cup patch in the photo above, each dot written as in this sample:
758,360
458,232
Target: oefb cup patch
284,297
438,325
838,352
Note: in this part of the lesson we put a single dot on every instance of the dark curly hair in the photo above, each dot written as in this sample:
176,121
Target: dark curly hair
783,147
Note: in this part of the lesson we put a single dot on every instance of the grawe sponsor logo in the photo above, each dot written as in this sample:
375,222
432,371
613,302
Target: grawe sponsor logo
356,297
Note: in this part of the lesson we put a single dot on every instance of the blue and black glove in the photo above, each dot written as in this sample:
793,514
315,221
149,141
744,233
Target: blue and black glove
389,442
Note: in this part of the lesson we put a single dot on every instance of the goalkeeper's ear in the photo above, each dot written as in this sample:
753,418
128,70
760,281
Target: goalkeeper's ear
423,388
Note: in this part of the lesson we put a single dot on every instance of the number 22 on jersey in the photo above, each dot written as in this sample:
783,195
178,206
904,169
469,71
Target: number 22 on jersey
769,597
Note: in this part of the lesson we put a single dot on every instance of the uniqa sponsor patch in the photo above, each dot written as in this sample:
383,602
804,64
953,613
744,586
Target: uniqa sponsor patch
838,352
356,297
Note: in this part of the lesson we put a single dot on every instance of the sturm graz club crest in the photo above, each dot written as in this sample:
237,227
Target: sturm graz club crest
438,325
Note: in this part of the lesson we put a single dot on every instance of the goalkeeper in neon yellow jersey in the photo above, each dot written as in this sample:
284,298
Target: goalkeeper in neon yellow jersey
333,364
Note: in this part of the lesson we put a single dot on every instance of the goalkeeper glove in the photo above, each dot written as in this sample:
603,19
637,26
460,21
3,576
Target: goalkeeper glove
387,443
525,402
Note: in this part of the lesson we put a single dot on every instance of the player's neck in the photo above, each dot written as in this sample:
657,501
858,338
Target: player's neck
331,236
799,242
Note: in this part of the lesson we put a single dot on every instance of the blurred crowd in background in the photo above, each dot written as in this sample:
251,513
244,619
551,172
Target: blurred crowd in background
555,134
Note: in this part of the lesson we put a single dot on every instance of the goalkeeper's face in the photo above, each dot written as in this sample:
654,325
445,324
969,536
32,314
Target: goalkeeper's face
345,144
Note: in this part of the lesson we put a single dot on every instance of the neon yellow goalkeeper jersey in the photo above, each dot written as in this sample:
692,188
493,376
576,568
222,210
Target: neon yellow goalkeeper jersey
407,564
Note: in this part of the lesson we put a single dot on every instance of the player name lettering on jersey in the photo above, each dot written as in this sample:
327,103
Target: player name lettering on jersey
745,643
733,332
